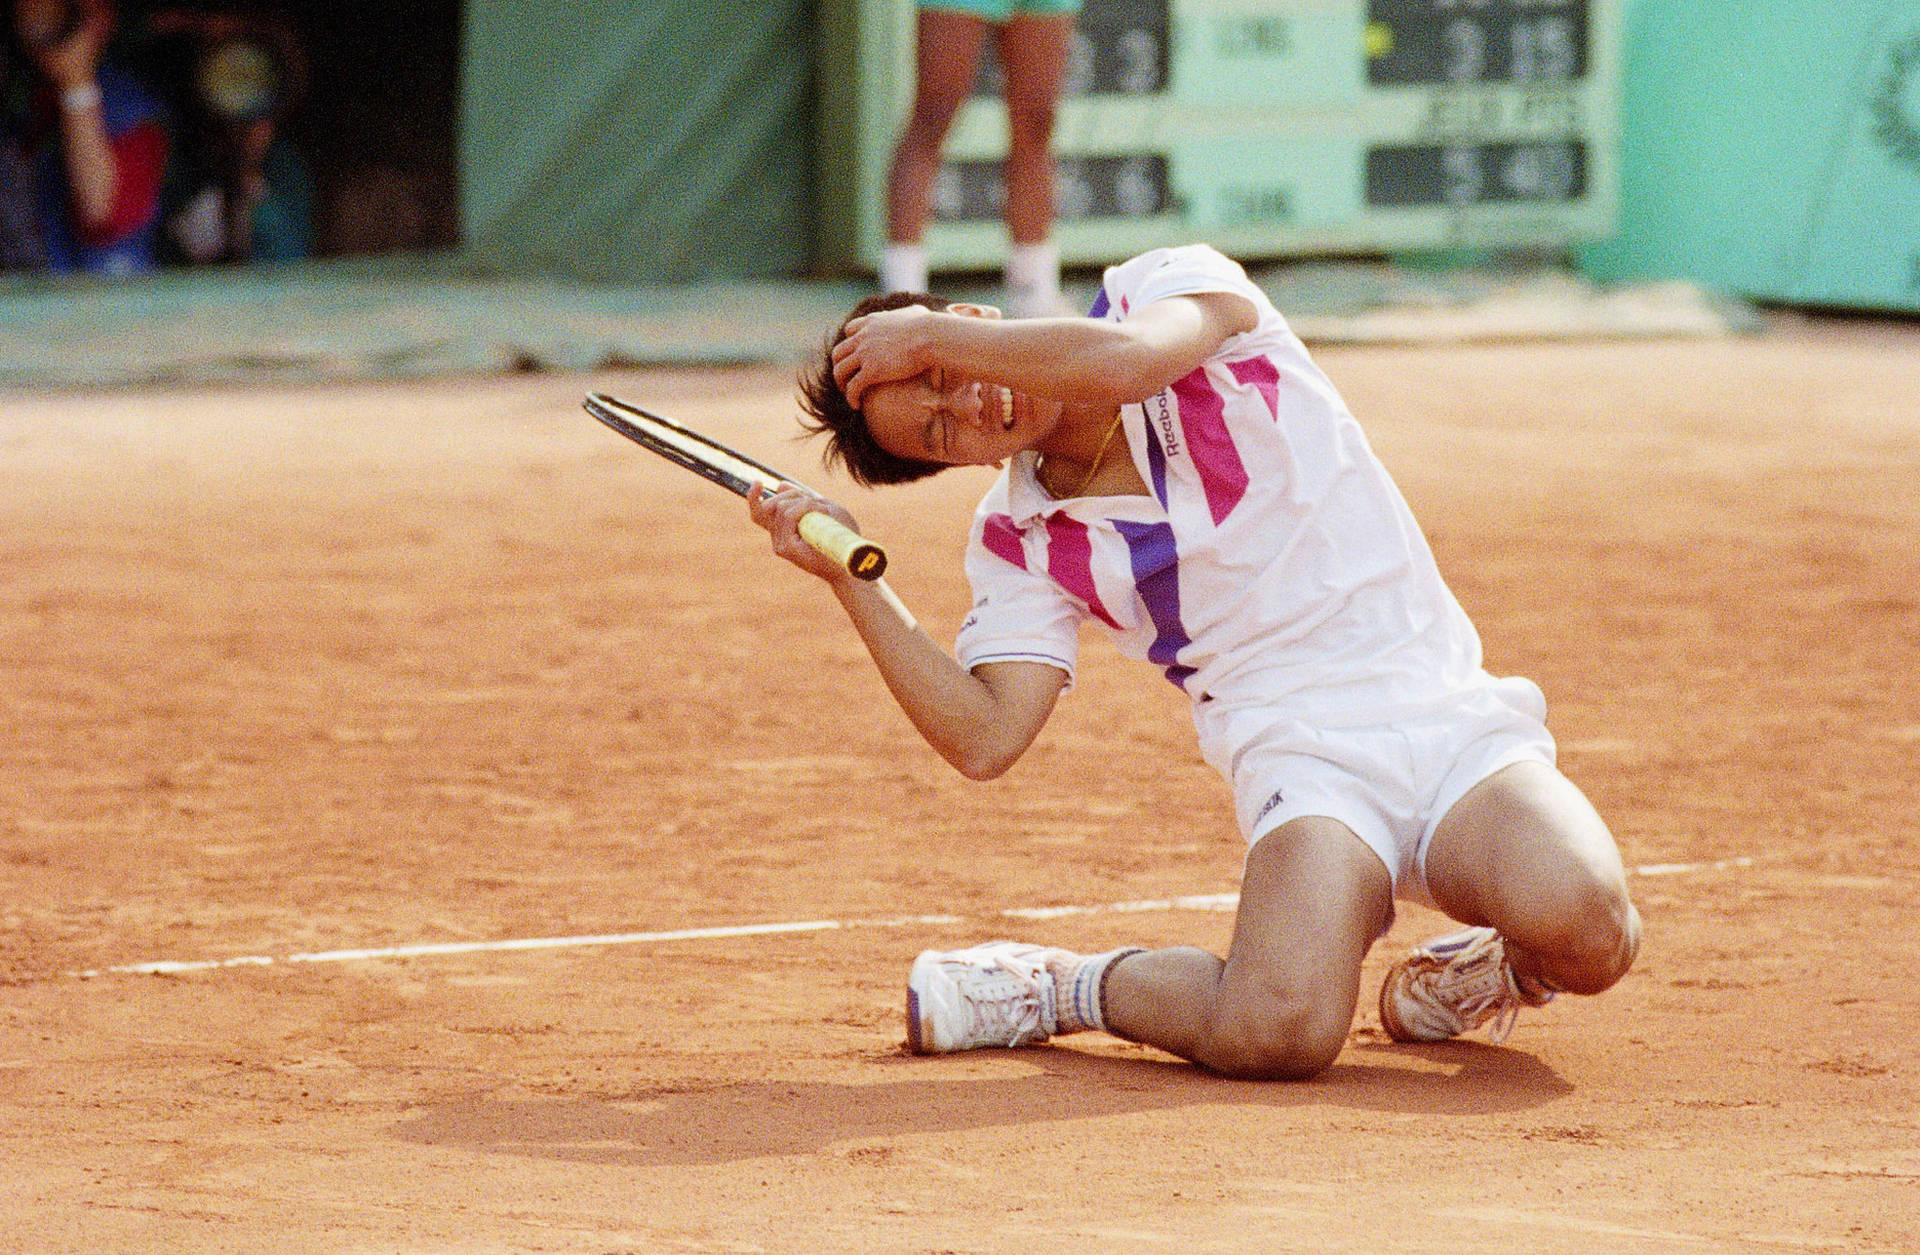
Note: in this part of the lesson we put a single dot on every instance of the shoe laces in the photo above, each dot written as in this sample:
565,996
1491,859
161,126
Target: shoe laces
1478,1000
1476,987
1008,1004
1506,1012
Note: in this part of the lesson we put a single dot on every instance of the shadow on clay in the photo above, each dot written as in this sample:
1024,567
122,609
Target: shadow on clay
746,1121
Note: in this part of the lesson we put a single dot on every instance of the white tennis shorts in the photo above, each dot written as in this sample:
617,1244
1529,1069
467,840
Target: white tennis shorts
1390,781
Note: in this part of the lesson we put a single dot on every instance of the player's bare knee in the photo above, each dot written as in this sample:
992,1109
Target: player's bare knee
1288,1042
1626,947
1592,946
1277,1059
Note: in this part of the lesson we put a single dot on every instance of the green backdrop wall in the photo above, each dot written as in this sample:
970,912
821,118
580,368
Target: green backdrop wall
637,140
1768,147
1772,148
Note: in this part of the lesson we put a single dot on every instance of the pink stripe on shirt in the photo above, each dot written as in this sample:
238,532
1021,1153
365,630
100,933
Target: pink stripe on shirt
1002,539
1260,373
1070,563
1223,477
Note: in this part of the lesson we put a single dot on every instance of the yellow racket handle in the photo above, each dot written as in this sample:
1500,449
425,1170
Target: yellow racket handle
863,559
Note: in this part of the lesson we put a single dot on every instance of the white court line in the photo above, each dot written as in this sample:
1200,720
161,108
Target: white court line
1191,902
1682,869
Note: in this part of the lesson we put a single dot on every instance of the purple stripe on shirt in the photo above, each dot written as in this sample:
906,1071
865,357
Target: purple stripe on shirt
1157,465
1156,575
1070,563
1002,538
1100,305
1223,477
1262,374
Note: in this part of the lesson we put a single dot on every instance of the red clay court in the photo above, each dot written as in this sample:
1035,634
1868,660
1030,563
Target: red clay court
296,671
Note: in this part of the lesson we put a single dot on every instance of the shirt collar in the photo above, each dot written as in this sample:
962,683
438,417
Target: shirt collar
1028,502
1026,499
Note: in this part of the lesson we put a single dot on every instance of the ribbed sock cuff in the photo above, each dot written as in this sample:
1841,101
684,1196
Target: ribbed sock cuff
1080,1003
903,268
1034,269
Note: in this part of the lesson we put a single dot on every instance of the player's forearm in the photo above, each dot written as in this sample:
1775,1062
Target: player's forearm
952,709
1079,359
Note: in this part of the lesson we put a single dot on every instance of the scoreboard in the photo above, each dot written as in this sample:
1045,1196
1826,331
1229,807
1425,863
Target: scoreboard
1268,128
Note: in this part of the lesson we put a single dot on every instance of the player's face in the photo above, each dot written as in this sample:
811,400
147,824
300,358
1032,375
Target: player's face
937,417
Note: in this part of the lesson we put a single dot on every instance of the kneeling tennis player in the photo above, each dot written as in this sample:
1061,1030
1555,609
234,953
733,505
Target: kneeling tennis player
1178,470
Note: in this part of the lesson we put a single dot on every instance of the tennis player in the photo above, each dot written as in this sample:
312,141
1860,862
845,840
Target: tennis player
1179,471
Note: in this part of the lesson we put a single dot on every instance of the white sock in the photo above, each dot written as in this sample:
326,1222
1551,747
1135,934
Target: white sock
1080,1003
903,267
1033,270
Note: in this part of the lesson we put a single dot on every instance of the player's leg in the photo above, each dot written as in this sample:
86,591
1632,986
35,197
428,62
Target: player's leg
1525,853
1034,51
1280,1006
948,58
1313,900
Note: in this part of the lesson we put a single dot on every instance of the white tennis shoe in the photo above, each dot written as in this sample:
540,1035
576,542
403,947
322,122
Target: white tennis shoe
1454,984
997,994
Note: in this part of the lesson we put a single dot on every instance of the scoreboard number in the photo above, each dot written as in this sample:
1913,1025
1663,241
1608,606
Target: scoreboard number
1476,41
1269,128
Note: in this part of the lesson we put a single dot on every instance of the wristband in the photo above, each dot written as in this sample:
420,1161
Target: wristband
80,97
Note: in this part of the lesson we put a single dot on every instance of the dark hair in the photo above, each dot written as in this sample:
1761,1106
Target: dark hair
849,442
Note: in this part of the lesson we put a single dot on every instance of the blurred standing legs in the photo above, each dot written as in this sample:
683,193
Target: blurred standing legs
1034,53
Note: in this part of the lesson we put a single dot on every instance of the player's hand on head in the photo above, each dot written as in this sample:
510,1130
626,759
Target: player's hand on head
881,348
780,513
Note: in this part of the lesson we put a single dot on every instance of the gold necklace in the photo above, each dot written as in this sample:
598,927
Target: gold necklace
1106,442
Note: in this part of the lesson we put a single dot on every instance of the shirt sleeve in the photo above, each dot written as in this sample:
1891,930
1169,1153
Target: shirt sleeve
1187,271
1019,615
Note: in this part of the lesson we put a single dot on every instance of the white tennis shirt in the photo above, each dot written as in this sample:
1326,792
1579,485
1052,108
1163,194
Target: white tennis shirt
1274,566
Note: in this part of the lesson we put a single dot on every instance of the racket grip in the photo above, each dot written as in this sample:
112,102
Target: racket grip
863,559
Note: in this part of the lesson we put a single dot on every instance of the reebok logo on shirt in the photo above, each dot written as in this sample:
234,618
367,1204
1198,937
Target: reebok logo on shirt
1163,419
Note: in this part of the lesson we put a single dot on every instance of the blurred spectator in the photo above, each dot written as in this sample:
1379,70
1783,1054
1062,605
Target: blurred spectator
237,190
1033,39
22,245
96,137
